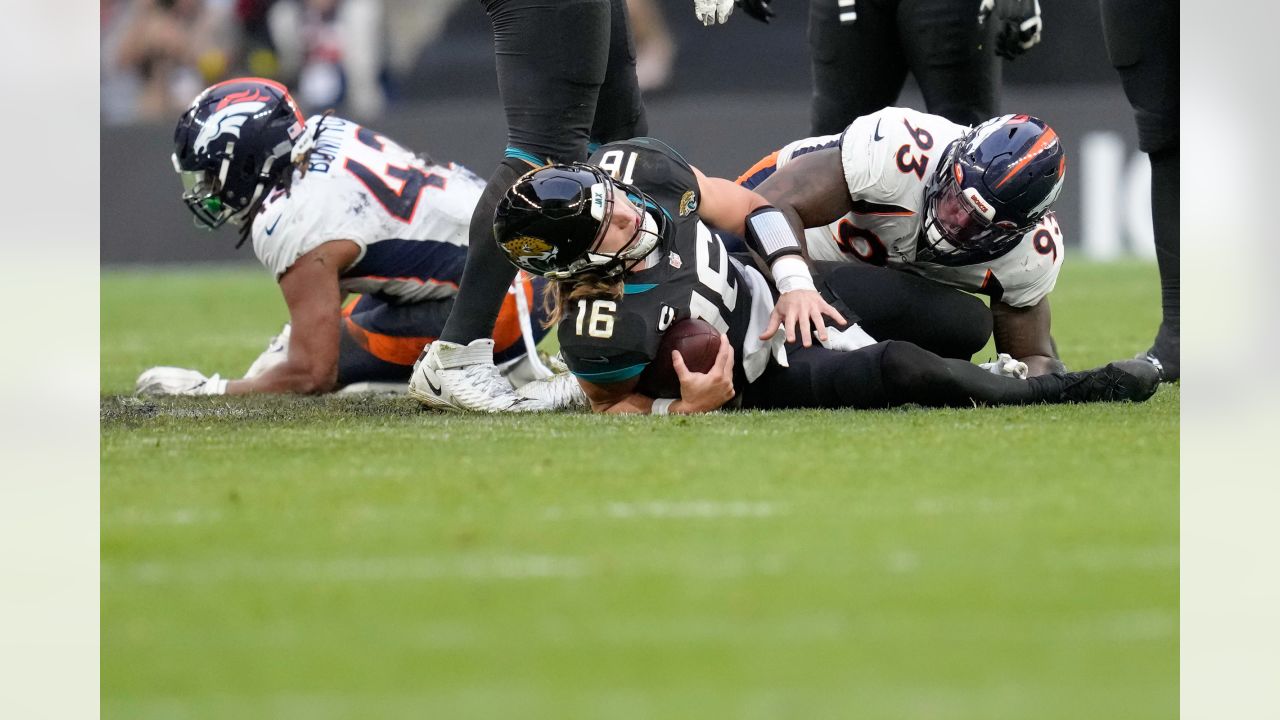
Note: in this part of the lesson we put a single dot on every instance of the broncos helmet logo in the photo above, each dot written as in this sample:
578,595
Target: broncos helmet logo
227,120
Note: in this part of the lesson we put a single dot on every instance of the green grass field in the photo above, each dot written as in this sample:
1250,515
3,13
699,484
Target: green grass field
359,558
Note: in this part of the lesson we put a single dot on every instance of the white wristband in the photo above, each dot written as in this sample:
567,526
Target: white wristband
792,273
661,406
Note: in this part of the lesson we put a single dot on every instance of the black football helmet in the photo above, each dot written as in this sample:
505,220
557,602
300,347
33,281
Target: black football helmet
551,222
990,188
232,144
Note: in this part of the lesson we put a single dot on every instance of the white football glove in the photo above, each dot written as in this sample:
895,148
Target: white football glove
849,339
179,381
1005,365
277,352
711,12
1020,24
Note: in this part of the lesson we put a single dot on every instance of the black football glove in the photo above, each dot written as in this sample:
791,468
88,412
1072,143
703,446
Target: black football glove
1020,24
758,9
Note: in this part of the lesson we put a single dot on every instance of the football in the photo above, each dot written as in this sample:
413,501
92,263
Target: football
698,342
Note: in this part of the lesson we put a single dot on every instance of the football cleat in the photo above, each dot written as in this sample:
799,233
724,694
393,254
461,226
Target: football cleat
560,392
1164,355
463,378
1155,361
557,364
1134,380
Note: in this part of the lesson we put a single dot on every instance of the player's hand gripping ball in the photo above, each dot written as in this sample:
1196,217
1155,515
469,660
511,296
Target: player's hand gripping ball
698,342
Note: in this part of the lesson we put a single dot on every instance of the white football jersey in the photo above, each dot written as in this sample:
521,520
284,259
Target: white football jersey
410,218
888,157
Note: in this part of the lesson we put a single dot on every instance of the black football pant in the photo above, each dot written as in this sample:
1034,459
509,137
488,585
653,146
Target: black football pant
888,374
1142,40
860,66
897,305
566,74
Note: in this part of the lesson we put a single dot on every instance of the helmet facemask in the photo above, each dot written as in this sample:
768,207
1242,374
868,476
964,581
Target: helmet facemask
960,226
604,202
231,146
200,194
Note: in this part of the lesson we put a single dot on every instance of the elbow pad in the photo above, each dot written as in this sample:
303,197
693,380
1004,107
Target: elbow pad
770,236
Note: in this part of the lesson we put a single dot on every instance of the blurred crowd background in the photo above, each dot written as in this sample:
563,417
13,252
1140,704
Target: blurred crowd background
353,54
363,57
422,72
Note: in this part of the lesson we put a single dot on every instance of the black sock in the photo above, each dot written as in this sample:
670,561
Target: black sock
1164,216
488,273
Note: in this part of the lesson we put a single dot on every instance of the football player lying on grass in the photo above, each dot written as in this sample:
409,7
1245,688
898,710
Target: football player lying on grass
922,209
333,208
628,259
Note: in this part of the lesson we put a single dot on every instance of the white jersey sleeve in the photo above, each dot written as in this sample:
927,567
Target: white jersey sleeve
360,186
292,226
889,154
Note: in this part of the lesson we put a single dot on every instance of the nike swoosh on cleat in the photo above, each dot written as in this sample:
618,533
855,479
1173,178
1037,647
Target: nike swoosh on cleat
434,388
876,136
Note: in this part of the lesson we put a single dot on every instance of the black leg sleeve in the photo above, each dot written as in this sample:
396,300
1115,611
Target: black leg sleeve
488,273
1164,215
897,305
552,58
1142,40
619,110
952,58
858,66
915,375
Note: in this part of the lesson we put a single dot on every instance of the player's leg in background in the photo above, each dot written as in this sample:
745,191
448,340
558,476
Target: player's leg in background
619,110
952,58
1142,40
895,373
551,59
896,305
857,62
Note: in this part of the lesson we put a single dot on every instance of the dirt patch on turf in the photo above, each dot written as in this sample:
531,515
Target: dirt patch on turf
128,411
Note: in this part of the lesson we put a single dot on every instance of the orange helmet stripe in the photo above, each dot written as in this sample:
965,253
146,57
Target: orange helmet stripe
1048,138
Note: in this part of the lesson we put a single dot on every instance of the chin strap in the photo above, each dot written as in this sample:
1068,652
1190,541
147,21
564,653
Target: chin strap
526,327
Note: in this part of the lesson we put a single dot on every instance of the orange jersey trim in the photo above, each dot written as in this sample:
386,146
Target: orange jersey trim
764,162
